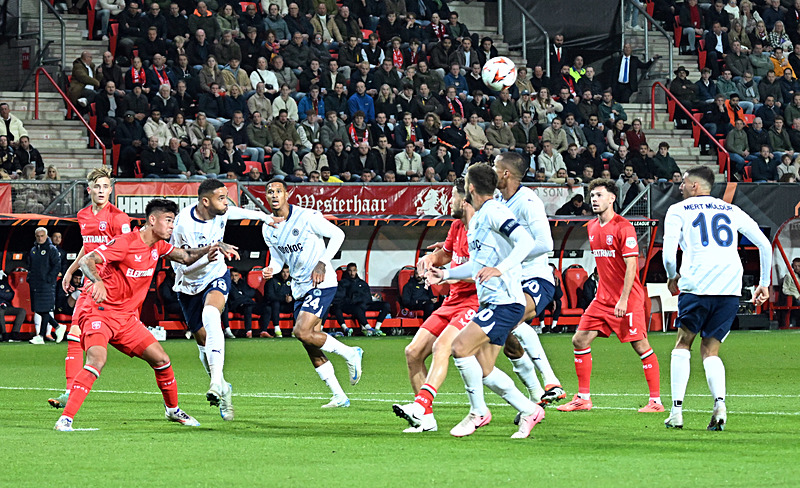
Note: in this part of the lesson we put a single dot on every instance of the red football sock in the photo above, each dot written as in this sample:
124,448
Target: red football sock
81,386
166,383
73,363
583,368
425,397
652,373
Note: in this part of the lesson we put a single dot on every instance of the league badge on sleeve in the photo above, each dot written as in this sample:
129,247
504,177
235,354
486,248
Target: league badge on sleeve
630,242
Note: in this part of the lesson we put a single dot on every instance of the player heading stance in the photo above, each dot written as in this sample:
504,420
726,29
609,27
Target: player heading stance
117,293
437,333
298,242
619,304
203,287
710,283
99,223
538,283
497,245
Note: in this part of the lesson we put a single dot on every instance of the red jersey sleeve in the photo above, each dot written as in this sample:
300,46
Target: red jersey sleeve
122,223
114,251
628,243
164,248
449,242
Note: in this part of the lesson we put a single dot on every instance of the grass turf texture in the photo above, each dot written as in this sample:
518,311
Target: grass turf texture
282,438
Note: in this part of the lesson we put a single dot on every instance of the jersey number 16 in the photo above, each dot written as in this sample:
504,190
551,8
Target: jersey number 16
720,229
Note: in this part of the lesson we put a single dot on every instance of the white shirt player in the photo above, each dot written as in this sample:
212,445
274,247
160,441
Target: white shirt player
496,240
706,227
191,231
529,211
298,242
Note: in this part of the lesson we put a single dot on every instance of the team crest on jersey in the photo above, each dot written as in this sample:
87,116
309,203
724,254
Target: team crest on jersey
317,292
295,232
103,225
154,253
630,242
96,325
609,240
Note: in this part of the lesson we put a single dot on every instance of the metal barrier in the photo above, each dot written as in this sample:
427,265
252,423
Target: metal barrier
48,197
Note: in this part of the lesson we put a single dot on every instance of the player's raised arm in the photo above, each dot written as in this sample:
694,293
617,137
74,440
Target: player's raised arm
672,234
188,257
67,278
749,228
239,213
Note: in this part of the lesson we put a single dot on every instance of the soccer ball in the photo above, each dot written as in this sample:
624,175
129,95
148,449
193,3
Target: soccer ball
499,73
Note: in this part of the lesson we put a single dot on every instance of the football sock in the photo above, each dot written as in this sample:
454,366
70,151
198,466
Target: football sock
165,378
378,325
336,347
583,368
215,343
503,385
680,366
81,387
652,374
204,359
527,373
472,374
533,346
73,363
715,375
327,375
425,397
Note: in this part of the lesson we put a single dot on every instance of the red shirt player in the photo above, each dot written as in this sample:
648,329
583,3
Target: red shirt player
117,293
99,223
619,304
443,325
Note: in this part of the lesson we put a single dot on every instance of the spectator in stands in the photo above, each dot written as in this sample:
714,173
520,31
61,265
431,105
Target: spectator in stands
228,20
333,129
216,107
258,135
198,49
591,156
131,29
210,74
737,145
556,135
312,75
136,75
151,46
187,102
165,103
616,165
384,158
629,186
574,133
234,76
178,157
230,157
418,296
789,288
260,103
440,161
360,101
546,108
154,164
177,23
205,19
7,308
287,103
549,160
505,107
692,19
104,10
616,137
738,60
136,101
575,206
131,137
285,161
769,111
788,167
316,159
355,298
237,129
626,73
85,80
44,265
683,89
11,127
643,164
202,129
567,100
664,165
572,160
706,87
635,136
206,160
279,297
110,71
500,135
789,86
717,48
380,127
157,127
779,139
26,154
409,162
241,300
764,167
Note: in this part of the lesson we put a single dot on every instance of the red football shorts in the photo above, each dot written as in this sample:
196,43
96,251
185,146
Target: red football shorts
457,314
82,305
630,327
125,332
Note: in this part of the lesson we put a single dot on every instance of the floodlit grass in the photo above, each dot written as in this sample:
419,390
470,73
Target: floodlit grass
282,438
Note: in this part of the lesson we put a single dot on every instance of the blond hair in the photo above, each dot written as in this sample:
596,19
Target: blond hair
97,173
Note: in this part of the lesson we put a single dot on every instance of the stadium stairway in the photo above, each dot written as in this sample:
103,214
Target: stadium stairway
680,140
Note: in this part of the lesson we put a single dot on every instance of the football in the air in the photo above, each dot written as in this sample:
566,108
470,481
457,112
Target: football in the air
499,73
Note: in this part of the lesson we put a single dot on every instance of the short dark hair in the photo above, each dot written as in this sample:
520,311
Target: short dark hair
352,265
209,186
702,172
483,178
514,162
609,185
278,180
161,205
460,187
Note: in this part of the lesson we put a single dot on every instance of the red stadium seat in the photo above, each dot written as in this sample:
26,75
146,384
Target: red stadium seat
256,280
137,169
748,118
748,173
701,54
90,13
112,39
18,280
244,5
677,31
574,278
254,164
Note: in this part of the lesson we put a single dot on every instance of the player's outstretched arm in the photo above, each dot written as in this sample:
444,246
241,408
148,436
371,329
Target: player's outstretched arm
239,213
67,279
439,257
459,273
521,246
88,265
188,257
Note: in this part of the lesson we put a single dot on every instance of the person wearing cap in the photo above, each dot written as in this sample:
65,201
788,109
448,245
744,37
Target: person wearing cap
626,73
684,90
575,206
130,135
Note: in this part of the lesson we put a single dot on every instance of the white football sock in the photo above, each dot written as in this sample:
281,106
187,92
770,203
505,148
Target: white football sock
533,346
203,359
715,375
327,375
679,369
472,374
37,323
215,344
336,347
503,385
526,372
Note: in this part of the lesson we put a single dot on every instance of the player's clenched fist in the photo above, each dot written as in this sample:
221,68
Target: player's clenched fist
434,276
266,273
99,292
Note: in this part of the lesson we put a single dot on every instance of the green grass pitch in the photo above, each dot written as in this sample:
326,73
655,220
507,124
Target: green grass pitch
282,438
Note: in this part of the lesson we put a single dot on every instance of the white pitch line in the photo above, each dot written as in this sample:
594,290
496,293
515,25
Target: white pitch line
324,396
